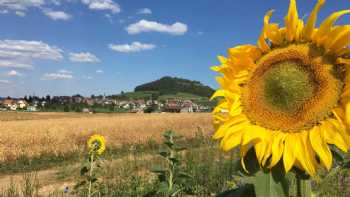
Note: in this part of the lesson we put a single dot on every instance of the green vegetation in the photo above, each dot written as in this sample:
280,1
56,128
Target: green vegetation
136,95
174,85
194,167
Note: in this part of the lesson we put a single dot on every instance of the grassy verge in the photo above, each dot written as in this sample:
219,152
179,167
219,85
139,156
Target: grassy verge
26,164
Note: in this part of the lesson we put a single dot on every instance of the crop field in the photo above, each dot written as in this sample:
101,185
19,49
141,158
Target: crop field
36,134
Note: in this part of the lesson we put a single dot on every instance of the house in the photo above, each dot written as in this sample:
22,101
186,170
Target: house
88,101
77,98
173,106
32,109
187,106
8,102
36,103
140,104
13,107
22,104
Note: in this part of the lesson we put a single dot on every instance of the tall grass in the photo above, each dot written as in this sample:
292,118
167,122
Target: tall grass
213,171
28,187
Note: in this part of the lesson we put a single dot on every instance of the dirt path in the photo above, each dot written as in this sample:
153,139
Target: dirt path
57,178
47,179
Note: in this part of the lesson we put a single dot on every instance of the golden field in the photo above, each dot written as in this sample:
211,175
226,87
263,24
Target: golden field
35,134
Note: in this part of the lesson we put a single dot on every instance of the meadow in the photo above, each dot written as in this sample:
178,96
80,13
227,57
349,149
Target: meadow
42,154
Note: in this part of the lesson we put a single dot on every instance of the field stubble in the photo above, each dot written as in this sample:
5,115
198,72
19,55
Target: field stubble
33,135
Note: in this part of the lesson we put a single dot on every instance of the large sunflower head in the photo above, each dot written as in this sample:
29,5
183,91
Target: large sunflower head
97,144
288,96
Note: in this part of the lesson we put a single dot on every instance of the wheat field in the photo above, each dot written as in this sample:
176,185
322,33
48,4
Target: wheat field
36,134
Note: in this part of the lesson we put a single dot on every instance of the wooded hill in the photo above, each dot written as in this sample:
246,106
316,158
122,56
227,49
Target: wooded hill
174,85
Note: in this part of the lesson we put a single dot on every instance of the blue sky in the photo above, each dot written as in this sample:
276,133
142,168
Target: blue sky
64,47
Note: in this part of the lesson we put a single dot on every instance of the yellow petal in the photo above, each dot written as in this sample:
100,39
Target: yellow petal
262,39
332,136
263,146
339,112
288,152
253,132
223,128
310,25
277,148
341,130
243,151
222,59
291,21
326,25
240,51
273,33
306,156
342,41
343,51
224,93
343,61
260,148
320,147
262,44
232,141
235,128
347,114
332,37
299,30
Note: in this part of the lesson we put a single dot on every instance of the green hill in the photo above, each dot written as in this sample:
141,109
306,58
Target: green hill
173,85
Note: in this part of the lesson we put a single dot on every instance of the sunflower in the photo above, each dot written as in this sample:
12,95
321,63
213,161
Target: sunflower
97,143
288,97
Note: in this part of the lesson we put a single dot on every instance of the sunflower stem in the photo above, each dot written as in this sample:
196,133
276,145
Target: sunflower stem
303,187
90,173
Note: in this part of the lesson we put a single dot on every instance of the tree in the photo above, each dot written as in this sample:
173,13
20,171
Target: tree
66,108
48,98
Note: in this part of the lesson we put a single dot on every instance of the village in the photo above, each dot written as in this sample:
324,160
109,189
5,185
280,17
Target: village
78,103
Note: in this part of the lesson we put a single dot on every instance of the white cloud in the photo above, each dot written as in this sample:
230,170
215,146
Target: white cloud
56,76
83,57
20,4
65,71
4,81
102,5
20,13
145,11
149,26
99,71
130,48
29,49
14,64
14,73
20,7
21,53
57,15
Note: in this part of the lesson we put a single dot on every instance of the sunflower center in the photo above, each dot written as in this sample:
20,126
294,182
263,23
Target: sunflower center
287,87
292,89
96,144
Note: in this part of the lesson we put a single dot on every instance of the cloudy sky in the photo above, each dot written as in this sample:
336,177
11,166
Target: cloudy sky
64,47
